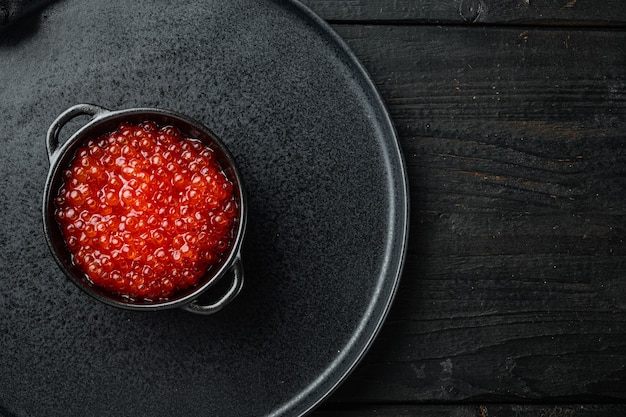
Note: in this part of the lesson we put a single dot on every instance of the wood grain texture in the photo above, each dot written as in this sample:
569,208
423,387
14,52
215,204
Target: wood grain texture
515,283
541,12
486,410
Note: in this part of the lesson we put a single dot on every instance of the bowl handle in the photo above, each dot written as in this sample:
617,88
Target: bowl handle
237,276
52,138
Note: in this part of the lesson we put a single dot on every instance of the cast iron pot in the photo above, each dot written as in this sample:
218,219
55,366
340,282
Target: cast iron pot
103,121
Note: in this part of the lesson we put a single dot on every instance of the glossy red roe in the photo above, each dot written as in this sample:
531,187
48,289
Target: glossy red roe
145,211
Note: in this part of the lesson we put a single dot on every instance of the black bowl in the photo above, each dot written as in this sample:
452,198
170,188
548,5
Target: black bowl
102,122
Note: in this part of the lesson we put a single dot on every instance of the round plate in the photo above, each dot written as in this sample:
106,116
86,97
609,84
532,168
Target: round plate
327,224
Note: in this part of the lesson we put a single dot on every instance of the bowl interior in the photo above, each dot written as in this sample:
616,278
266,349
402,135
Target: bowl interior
106,124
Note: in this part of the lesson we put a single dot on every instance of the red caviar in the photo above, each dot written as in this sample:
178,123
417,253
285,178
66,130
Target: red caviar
145,211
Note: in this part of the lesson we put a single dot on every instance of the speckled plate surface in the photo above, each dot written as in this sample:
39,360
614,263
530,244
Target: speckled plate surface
327,219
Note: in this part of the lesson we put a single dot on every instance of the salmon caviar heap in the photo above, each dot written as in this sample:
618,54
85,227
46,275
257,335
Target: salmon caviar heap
145,211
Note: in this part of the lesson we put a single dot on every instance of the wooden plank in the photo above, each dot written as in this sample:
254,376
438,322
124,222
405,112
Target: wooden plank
381,410
542,12
499,410
514,286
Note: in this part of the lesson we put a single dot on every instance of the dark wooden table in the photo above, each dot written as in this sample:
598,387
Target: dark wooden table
512,118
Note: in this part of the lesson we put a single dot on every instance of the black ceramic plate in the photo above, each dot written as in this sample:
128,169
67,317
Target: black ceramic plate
327,218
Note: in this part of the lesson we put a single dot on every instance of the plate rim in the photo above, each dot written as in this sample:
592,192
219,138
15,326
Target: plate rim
402,213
